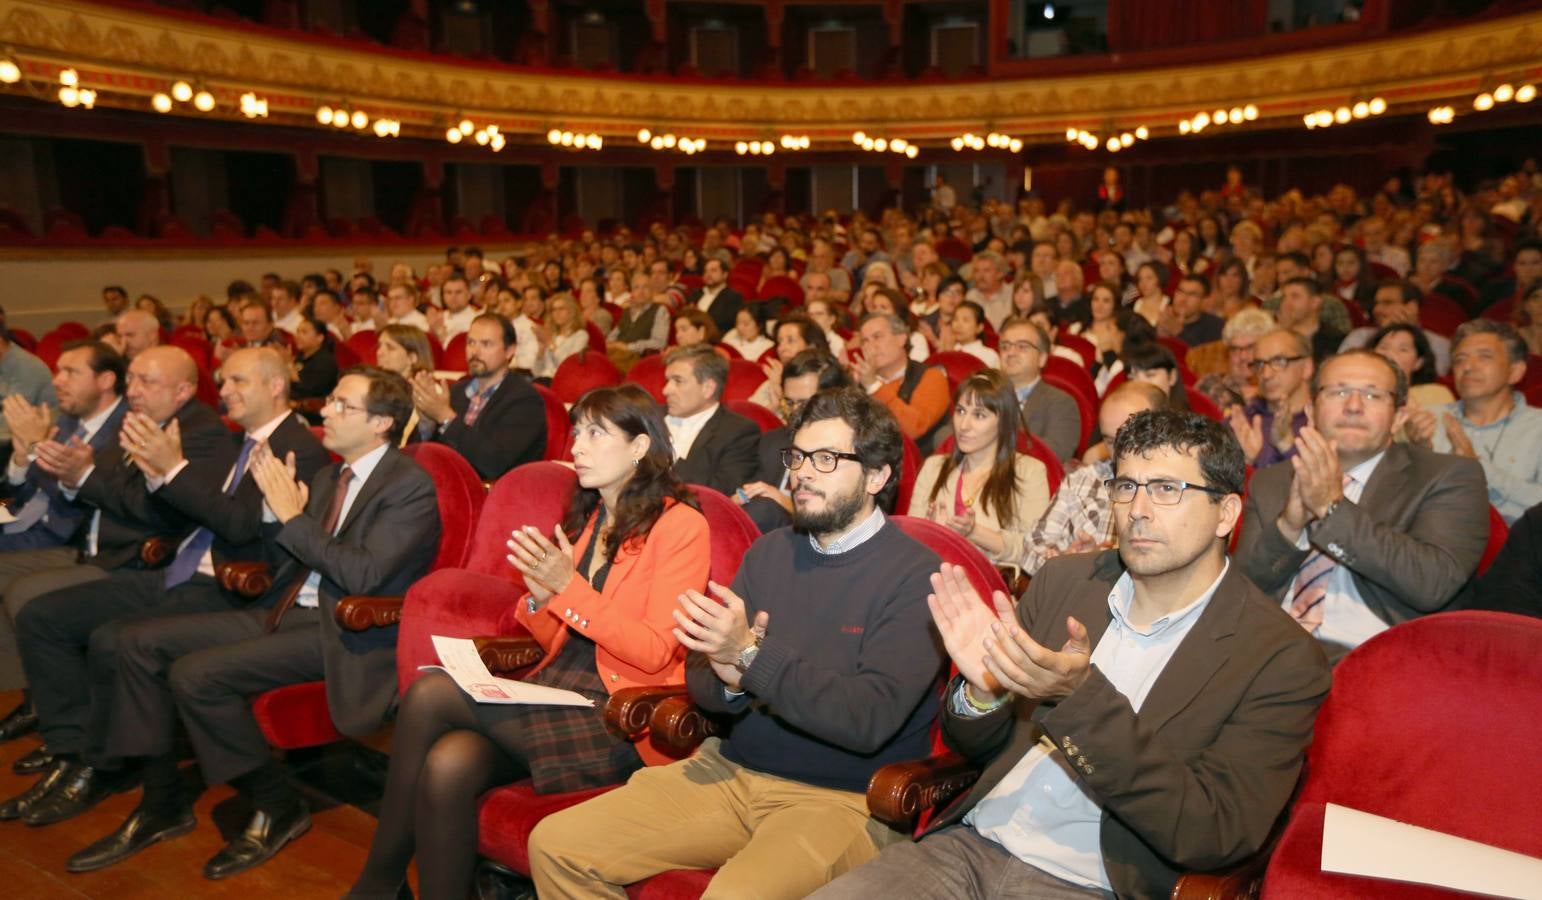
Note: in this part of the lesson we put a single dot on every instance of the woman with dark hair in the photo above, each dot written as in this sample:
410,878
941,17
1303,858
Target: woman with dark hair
1231,290
690,262
1151,298
1528,318
1407,345
984,490
601,594
692,326
1351,281
220,324
315,372
777,266
1186,254
1106,331
1154,363
1212,239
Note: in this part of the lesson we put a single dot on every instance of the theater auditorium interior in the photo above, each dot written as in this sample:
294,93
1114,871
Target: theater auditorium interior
770,448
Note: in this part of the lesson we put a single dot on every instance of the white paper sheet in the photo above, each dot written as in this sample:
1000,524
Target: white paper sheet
462,662
1359,843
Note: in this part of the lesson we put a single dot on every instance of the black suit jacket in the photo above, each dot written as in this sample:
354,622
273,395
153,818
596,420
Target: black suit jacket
64,516
724,309
767,514
1196,779
1412,541
388,540
239,531
510,430
724,454
130,513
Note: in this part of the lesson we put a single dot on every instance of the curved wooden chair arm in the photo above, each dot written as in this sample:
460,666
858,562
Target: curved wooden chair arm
245,578
1244,882
680,725
157,551
507,654
361,613
629,712
1016,579
898,793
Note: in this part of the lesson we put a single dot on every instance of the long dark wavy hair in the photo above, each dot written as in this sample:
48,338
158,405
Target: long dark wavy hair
992,390
629,408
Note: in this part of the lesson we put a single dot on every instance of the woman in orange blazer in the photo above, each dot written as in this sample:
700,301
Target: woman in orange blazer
601,593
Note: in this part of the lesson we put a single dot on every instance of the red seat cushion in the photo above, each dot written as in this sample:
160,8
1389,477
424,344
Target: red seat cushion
507,815
295,716
581,373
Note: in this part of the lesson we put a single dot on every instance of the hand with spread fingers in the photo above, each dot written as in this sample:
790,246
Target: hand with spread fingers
965,623
431,398
1249,432
718,629
1461,444
29,425
1029,669
155,450
547,565
66,462
285,495
1318,473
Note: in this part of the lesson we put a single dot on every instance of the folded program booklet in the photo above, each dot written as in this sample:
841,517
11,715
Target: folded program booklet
1360,843
459,659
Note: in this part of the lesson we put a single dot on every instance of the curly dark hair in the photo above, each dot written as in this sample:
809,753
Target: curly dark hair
1220,456
631,409
876,437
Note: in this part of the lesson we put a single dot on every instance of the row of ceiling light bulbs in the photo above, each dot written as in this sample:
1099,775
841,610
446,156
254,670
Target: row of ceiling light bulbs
688,145
1505,93
1362,109
971,141
1204,118
343,116
884,145
1115,143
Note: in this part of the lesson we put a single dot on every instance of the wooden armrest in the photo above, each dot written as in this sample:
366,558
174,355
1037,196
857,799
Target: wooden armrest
361,613
1243,882
156,552
630,710
898,793
1016,580
678,724
509,653
245,578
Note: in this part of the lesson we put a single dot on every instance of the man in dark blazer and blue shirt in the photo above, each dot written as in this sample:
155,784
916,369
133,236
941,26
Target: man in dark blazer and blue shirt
713,446
368,525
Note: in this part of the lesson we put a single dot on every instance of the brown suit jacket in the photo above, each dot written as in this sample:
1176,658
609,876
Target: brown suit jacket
1195,780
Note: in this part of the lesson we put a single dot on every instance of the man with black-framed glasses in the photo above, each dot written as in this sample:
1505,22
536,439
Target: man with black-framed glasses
1356,532
1267,427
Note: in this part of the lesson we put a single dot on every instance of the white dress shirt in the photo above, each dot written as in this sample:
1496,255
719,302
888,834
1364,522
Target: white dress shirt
309,592
527,350
459,322
415,319
1039,812
978,350
289,322
1346,619
683,430
709,294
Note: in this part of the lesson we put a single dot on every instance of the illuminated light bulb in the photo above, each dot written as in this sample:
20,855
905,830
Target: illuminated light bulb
360,119
161,103
898,145
1310,119
10,72
958,143
87,98
1250,112
880,145
1525,93
1342,115
1113,145
857,137
1483,102
868,143
1126,139
1201,120
1360,110
498,142
567,138
453,135
1015,146
382,128
979,143
767,148
323,114
1141,133
181,91
1184,127
466,126
1220,117
741,148
1377,106
1236,115
1071,134
203,101
552,137
1090,141
492,129
656,143
69,78
1504,93
1324,118
754,148
643,135
69,96
912,151
669,141
594,142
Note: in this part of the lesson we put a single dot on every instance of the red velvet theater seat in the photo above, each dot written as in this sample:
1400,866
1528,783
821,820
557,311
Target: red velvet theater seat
648,373
559,437
1432,723
957,365
296,715
581,373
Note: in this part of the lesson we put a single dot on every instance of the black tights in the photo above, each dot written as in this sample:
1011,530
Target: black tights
441,762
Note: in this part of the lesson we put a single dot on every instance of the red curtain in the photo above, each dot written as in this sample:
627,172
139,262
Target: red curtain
1135,25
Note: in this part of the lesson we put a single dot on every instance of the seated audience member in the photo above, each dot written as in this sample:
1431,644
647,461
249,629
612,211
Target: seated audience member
1080,517
24,375
1185,318
366,526
693,327
1156,365
603,589
768,499
823,313
1049,413
1407,345
287,308
402,307
984,489
89,385
1526,266
1129,690
493,417
218,327
794,334
1357,533
364,309
137,331
968,327
1150,299
329,310
720,302
916,394
561,336
1231,292
1229,379
405,350
69,637
889,301
1528,318
1267,427
779,804
1513,582
643,327
1300,309
315,364
530,310
1491,422
988,286
746,338
458,313
1397,302
712,445
257,328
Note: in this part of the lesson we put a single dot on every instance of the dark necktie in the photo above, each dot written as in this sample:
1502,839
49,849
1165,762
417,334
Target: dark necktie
185,565
328,525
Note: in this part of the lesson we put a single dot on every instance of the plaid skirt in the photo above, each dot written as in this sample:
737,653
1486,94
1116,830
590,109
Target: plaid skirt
564,748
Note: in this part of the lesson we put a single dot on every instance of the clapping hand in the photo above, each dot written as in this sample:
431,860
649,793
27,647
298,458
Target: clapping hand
285,495
1249,432
430,397
718,629
66,462
547,566
29,424
155,450
1317,471
1461,444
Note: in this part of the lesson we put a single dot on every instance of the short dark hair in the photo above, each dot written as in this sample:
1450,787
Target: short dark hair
1197,278
1410,291
389,395
1040,339
706,364
1515,345
817,362
1141,356
1426,373
238,288
115,288
876,437
505,327
1297,257
977,309
457,275
103,359
813,336
291,289
1399,377
1305,281
314,280
1220,456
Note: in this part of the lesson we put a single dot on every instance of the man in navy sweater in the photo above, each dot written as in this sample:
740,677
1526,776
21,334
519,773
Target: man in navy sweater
835,678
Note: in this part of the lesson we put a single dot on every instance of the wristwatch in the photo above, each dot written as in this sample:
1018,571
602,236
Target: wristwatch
747,656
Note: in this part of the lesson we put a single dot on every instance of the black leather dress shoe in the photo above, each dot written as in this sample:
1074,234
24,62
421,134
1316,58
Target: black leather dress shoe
264,836
138,831
34,762
80,788
22,803
21,720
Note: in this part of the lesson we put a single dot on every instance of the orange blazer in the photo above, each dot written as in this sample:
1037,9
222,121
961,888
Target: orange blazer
630,621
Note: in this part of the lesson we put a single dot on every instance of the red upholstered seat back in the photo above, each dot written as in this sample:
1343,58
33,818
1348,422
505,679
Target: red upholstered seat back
910,467
648,373
460,494
765,418
1498,533
532,494
559,438
732,532
783,286
1086,349
957,365
455,353
362,343
744,377
581,373
1431,723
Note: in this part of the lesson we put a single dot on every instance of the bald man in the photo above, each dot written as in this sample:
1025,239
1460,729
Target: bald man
69,636
137,332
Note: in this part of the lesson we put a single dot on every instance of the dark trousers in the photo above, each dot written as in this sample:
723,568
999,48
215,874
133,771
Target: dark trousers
69,642
207,667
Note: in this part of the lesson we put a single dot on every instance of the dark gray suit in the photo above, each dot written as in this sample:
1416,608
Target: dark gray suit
1195,780
1412,542
767,514
208,666
1051,415
724,454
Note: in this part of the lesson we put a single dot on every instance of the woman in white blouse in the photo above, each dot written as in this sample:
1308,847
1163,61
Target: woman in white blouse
562,335
747,339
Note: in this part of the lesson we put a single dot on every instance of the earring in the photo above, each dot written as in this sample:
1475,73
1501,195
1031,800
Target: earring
635,461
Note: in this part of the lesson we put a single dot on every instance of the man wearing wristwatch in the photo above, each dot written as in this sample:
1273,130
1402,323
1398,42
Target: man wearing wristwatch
1357,532
822,653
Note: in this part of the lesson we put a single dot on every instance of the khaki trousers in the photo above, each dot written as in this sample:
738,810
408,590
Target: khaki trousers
769,837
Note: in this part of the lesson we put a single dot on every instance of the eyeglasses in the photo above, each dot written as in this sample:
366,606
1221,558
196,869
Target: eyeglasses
824,460
1020,346
1277,363
1368,396
1162,491
339,406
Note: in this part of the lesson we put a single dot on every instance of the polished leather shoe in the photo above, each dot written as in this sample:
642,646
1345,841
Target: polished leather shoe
22,803
21,720
80,788
34,762
138,831
263,837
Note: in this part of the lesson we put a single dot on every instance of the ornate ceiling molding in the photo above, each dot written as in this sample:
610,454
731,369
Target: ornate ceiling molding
128,55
